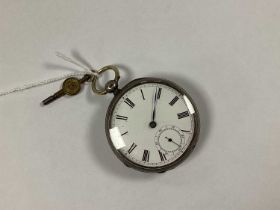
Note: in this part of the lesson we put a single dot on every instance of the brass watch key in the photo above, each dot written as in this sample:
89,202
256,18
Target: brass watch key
71,86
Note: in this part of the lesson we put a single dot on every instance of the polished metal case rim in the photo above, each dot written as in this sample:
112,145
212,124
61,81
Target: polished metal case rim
109,114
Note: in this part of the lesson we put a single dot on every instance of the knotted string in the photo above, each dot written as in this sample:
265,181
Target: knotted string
55,79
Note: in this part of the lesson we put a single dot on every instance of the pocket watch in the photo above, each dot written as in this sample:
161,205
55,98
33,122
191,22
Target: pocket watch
152,124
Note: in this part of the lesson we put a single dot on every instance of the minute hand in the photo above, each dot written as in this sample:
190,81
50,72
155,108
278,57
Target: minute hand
154,105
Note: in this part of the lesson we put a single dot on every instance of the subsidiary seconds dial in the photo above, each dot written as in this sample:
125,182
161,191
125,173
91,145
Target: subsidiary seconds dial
152,124
170,139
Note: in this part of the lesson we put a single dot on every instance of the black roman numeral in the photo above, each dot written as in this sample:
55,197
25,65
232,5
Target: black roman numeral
159,93
146,155
129,102
132,147
119,117
125,133
183,114
142,94
173,101
161,155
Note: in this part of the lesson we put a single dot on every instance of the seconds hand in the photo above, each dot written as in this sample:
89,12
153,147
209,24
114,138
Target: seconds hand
170,140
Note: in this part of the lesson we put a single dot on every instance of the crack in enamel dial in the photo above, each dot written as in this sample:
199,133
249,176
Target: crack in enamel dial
153,124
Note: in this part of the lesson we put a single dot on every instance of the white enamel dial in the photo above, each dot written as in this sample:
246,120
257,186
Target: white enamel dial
152,124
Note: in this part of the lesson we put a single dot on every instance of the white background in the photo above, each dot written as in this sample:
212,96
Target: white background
226,54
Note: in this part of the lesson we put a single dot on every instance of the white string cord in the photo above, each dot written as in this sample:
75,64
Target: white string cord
62,56
55,79
40,83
